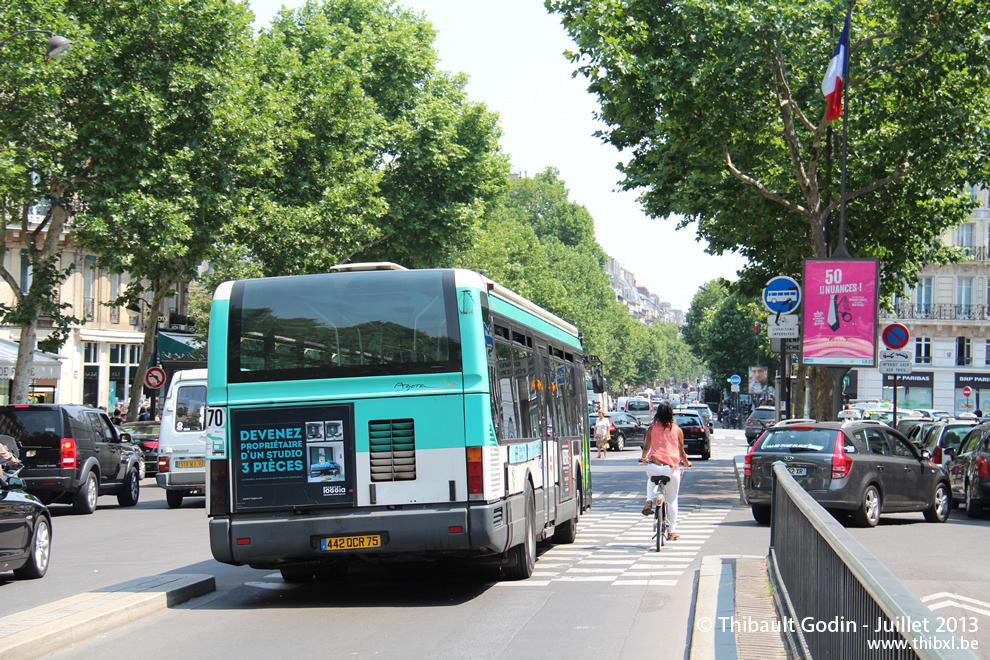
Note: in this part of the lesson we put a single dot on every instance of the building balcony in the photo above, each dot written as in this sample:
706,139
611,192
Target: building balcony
937,312
977,253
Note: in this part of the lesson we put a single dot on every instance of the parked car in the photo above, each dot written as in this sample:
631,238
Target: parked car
860,468
754,428
933,413
905,424
26,531
850,414
624,430
145,436
941,436
705,412
71,454
968,472
697,437
639,407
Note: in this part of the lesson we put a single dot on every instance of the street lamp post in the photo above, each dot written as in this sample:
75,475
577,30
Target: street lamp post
57,46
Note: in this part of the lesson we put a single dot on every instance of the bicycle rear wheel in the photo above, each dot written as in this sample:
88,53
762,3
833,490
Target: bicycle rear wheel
658,524
664,524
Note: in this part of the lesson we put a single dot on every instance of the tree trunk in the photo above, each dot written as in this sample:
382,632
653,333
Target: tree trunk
21,386
821,395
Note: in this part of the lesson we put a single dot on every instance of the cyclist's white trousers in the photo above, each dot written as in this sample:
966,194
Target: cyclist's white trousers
671,489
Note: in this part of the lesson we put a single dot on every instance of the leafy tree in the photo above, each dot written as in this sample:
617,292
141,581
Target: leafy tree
37,154
164,136
720,105
372,152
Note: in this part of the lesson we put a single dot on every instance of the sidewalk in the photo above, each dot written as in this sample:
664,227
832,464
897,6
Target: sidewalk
48,628
734,616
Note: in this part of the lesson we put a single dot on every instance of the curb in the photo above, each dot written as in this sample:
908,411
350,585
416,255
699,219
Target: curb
53,627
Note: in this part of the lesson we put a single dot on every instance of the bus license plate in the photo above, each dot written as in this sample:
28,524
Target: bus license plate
190,464
798,472
362,542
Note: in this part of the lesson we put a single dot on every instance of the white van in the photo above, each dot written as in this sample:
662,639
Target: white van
182,439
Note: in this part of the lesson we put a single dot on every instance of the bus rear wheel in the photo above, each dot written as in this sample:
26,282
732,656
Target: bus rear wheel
522,558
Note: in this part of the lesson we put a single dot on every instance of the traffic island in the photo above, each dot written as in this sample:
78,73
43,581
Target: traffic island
53,627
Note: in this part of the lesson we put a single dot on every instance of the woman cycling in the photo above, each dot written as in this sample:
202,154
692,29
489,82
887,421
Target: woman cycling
663,453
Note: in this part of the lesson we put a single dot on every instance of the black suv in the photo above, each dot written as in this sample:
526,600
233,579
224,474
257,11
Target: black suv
862,468
71,455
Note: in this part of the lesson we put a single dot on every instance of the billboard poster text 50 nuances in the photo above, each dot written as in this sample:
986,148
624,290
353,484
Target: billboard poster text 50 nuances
839,324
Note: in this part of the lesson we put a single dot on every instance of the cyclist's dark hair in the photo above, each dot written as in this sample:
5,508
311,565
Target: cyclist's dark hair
664,414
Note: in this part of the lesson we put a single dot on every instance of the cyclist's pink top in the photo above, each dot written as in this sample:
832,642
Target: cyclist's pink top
665,445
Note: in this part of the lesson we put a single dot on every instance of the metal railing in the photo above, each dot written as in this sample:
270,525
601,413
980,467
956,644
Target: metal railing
937,312
834,594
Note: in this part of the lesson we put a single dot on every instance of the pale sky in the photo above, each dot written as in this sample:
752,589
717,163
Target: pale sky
512,50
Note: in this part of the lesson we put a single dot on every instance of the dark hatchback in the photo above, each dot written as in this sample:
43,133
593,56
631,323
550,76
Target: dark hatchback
860,468
968,471
697,439
624,430
145,436
942,436
25,530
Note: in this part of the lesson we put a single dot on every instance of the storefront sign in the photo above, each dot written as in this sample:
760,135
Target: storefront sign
839,325
38,371
974,380
914,379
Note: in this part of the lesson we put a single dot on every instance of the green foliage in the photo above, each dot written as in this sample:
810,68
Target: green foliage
538,243
369,151
720,105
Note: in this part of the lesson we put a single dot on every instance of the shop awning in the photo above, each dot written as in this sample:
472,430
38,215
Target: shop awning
43,365
171,343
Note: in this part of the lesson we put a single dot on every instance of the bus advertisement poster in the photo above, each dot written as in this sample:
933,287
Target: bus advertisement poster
285,457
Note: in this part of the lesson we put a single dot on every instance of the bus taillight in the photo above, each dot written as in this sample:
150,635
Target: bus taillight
218,503
476,483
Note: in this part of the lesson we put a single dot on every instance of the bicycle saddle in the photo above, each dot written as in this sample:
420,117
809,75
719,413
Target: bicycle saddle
660,479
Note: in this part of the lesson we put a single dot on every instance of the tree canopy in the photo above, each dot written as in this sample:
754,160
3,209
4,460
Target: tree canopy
720,105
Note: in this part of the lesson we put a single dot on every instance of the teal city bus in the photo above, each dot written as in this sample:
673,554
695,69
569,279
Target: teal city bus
377,413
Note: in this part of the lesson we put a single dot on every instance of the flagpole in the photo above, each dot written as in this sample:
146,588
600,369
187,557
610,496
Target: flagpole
840,250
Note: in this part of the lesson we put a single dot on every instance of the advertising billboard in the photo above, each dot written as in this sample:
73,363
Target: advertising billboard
293,456
839,324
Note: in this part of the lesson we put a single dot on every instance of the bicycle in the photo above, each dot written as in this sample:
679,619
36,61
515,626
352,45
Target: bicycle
661,525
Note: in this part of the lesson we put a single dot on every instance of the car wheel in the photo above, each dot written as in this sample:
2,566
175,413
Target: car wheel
939,510
868,513
522,558
761,513
129,494
620,442
174,498
85,500
41,552
142,471
973,510
706,453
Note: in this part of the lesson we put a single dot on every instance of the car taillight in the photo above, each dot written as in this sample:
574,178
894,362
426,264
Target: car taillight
475,474
163,463
841,464
937,455
981,468
611,427
748,469
68,453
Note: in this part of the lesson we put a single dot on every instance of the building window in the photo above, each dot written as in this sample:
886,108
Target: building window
923,298
91,373
26,271
986,359
966,235
124,360
923,350
964,298
964,354
89,282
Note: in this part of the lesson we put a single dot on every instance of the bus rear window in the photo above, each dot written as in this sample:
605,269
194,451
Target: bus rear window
342,325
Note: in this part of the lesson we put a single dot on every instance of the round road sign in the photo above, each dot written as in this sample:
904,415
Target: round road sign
735,380
967,391
895,336
782,295
155,378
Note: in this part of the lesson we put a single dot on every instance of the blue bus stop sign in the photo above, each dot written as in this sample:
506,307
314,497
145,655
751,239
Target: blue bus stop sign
782,295
735,380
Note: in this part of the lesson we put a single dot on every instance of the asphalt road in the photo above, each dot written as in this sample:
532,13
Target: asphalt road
606,596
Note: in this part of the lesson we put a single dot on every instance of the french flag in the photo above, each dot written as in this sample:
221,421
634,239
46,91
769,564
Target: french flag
835,76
